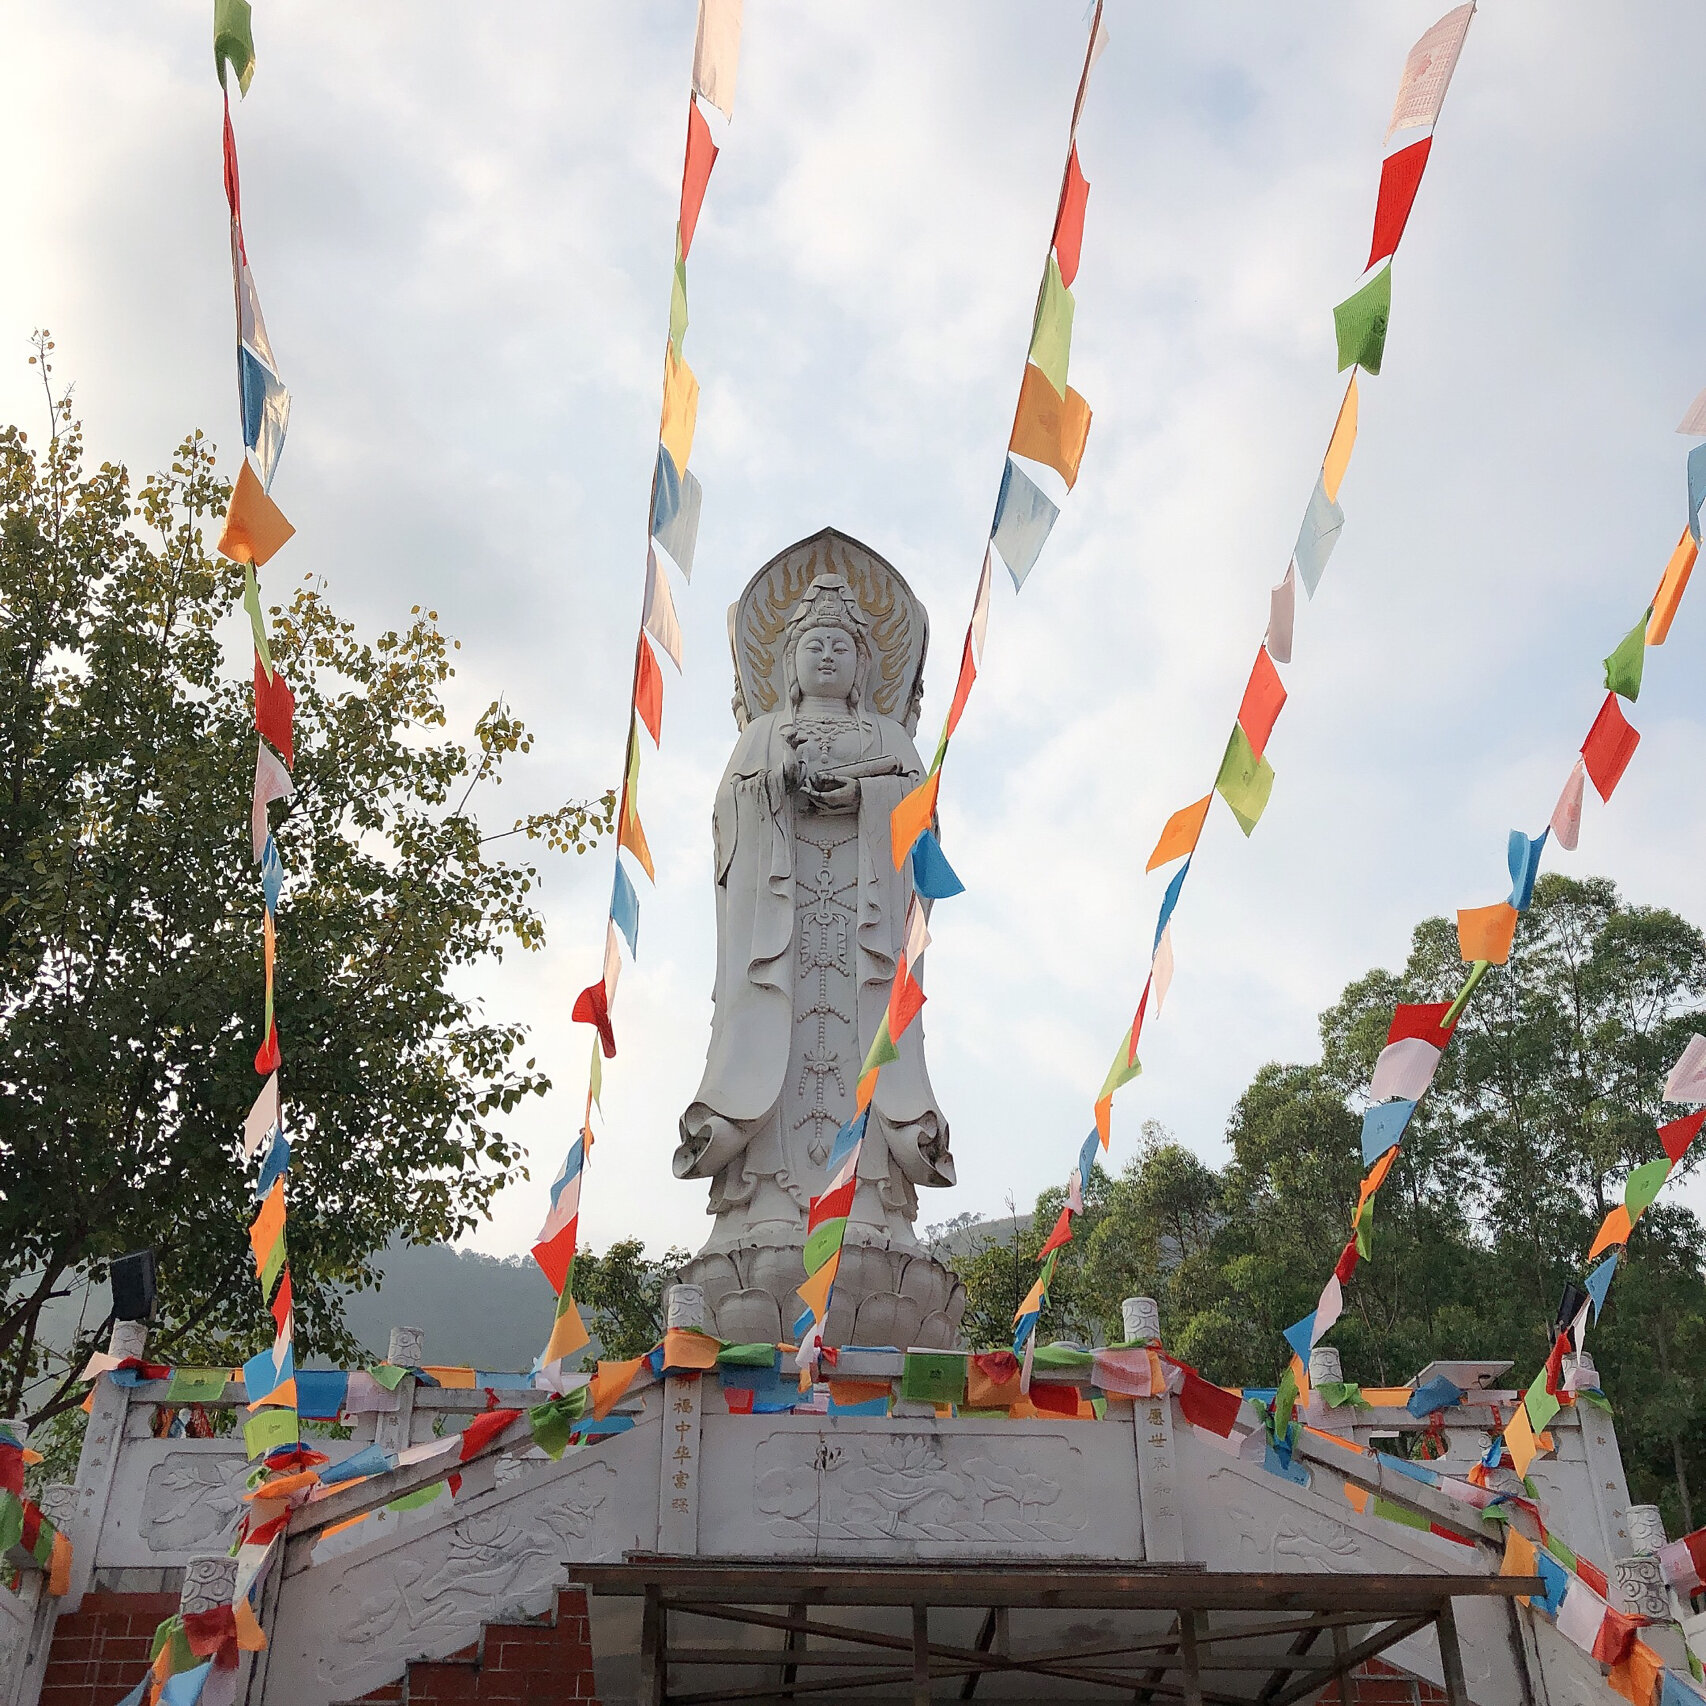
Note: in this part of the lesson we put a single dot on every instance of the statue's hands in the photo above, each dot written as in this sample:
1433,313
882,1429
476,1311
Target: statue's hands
832,793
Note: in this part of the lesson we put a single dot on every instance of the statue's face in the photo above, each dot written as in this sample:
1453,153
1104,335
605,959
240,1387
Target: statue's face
825,662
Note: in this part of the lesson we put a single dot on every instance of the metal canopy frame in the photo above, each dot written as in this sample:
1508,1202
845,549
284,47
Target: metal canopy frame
1192,1659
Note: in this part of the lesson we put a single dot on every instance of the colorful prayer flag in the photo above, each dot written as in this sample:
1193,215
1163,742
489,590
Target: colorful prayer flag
1264,695
1610,745
1360,322
1567,814
1623,668
1672,585
1487,932
1051,329
275,710
234,42
1322,522
695,174
1180,833
255,528
1340,445
1245,780
1282,615
1048,427
1400,178
648,690
1428,69
1024,517
660,619
680,407
716,53
1069,220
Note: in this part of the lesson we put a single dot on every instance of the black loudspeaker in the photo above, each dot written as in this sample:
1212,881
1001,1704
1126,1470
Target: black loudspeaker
133,1286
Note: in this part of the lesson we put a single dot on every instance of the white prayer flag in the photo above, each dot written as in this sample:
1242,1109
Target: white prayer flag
1406,1068
980,610
263,1118
253,326
1427,71
272,782
1161,968
1687,1081
716,53
917,934
1694,422
1567,814
1582,1614
1328,1310
612,964
1075,1192
660,610
1282,614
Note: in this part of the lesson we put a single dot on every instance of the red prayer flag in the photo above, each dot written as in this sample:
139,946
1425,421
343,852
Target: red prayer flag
233,194
832,1205
962,692
1696,1544
1137,1022
592,1007
695,172
275,710
648,692
1677,1136
1069,221
1616,1635
281,1302
1610,745
557,1255
268,1059
1593,1575
1209,1406
1561,1346
1264,694
739,1399
1421,1019
905,999
1400,178
1054,1397
1346,1264
483,1429
1061,1235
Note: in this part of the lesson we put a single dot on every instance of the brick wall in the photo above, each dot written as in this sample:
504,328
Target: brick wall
548,1663
1380,1684
100,1651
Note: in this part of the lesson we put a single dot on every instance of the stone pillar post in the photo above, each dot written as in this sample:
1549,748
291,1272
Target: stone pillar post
1637,1583
678,1473
1152,1422
405,1350
129,1339
1140,1318
1324,1366
103,1439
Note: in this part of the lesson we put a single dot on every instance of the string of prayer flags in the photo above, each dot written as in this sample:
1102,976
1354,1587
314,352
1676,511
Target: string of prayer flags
672,525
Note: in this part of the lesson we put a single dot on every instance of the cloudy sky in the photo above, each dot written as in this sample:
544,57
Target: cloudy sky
461,222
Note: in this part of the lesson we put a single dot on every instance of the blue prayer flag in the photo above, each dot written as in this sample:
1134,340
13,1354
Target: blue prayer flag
266,411
932,875
1300,1335
1524,860
320,1393
1317,537
1087,1157
625,909
272,1169
1598,1283
1696,488
1382,1127
675,512
185,1688
1169,900
1023,519
1556,1578
1438,1394
272,875
845,1139
370,1460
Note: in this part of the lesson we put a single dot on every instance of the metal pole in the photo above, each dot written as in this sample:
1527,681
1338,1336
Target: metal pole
1191,1675
921,1655
1450,1656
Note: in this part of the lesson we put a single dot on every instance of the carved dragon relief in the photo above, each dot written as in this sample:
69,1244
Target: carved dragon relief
920,1487
486,1564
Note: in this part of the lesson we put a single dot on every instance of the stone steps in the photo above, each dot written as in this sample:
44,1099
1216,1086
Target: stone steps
541,1662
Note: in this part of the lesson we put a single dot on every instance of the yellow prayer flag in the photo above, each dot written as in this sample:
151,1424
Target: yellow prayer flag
255,527
1339,446
689,1350
1487,932
610,1382
568,1334
462,1378
1048,427
1520,1441
913,816
680,408
1180,833
1672,586
1519,1557
814,1289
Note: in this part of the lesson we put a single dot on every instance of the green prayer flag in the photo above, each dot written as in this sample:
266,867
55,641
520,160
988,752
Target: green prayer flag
1245,781
553,1422
11,1522
234,41
747,1356
171,1634
596,1081
1365,1230
1642,1185
1360,321
823,1242
269,1427
1399,1513
941,751
933,1377
1335,1393
1122,1071
1051,332
274,1264
1285,1401
420,1496
882,1048
1099,1406
257,624
197,1385
1623,667
389,1375
678,306
1540,1403
1061,1356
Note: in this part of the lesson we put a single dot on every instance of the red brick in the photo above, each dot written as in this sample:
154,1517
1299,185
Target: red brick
443,1682
64,1697
1384,1692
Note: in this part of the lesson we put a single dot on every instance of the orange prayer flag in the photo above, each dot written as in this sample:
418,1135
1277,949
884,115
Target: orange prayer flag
610,1382
1520,1441
1180,833
1671,588
251,1637
1519,1556
1638,1674
1615,1229
269,1223
859,1391
689,1350
1104,1118
568,1334
913,816
255,527
633,837
59,1567
866,1089
1486,932
814,1289
680,408
1050,428
648,691
1338,457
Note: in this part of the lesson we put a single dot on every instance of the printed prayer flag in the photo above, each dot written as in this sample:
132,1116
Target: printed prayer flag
680,408
255,528
912,817
660,619
1264,695
1672,585
1567,814
1540,1403
1024,517
1428,69
1614,1231
1051,330
1610,745
1679,1134
1048,427
1282,615
1405,1068
1400,178
1360,322
1340,445
625,909
716,53
1180,833
1383,1128
932,875
272,782
1069,220
1598,1283
234,42
1245,780
275,709
1161,968
1523,857
257,624
648,690
962,687
1643,1184
1424,1019
1623,668
695,174
676,500
1687,1080
1486,932
1322,522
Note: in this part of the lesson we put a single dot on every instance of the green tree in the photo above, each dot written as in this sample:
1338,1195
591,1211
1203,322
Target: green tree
130,922
621,1296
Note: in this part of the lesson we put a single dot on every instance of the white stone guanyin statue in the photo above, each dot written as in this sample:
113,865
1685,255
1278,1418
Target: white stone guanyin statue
829,646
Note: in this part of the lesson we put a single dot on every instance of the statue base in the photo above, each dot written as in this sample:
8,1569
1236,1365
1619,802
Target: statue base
903,1298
